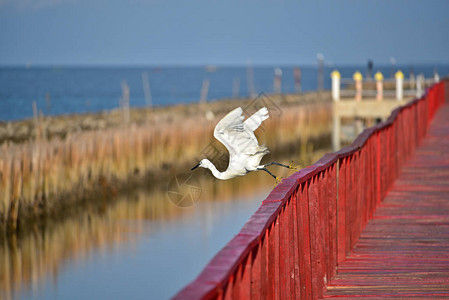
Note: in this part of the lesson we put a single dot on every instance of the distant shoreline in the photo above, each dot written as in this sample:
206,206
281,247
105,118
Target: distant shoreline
58,126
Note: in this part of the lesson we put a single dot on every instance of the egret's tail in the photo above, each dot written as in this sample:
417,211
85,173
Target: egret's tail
255,159
262,149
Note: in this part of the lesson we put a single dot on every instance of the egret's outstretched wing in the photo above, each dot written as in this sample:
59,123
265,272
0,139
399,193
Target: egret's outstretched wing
236,137
256,119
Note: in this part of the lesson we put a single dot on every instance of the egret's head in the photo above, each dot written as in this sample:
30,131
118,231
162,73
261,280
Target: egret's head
204,163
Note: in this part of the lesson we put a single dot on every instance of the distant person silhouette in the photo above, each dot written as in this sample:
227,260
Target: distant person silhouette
369,71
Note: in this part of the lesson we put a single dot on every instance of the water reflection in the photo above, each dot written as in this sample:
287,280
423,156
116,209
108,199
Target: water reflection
140,245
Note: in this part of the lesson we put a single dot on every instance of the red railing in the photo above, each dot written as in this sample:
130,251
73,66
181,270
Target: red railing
309,223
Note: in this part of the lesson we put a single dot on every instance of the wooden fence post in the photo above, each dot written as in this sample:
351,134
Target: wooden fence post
379,86
358,85
399,85
335,75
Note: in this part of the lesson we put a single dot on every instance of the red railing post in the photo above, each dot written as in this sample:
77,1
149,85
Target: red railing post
256,285
295,245
273,261
304,240
332,209
323,205
316,238
284,253
341,211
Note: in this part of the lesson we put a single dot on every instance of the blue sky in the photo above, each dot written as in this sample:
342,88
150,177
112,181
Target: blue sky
139,32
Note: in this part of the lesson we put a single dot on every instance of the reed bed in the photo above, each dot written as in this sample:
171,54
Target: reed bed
38,175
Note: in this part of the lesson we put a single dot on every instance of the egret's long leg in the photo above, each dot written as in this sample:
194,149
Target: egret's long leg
276,163
266,170
285,166
278,179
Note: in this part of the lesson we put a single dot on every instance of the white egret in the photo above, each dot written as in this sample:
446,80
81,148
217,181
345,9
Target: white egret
238,137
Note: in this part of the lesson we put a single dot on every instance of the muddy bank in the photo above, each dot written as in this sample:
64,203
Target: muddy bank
50,127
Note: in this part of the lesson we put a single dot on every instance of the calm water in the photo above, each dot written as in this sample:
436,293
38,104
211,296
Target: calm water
159,262
62,90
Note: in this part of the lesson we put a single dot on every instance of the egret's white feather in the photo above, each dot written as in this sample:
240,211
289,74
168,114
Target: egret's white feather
238,137
233,133
256,119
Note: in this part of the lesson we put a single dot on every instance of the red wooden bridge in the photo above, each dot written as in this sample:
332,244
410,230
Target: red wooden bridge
369,221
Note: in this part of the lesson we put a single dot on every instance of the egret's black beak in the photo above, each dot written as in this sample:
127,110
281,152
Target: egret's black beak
195,167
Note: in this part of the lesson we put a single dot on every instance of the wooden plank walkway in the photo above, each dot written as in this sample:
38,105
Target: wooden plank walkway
403,252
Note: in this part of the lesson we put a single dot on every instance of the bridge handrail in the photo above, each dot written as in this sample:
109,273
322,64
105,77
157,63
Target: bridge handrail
292,245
